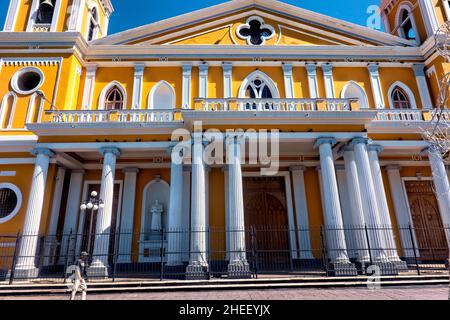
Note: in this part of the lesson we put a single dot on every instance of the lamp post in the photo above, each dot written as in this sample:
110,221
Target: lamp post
93,204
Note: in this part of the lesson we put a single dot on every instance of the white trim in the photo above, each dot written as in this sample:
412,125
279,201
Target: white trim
139,69
362,105
289,204
151,95
227,69
76,15
288,81
19,201
92,5
446,5
89,83
186,87
102,98
406,5
376,85
429,17
422,85
259,74
247,25
4,112
11,18
327,70
412,99
311,69
203,80
21,72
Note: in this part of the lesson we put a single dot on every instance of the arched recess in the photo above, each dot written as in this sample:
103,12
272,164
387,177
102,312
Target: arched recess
406,89
93,23
162,96
251,82
35,108
354,90
405,22
157,189
107,88
7,110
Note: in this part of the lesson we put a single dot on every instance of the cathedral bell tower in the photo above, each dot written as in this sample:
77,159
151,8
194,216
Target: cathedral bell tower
89,17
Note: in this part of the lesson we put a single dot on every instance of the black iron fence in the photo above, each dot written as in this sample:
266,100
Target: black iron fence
254,252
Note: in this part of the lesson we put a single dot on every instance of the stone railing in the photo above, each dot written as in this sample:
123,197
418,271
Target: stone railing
101,116
44,27
241,104
400,115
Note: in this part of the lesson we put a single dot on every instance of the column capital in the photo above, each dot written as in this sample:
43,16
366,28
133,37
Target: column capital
327,68
373,68
227,67
325,140
359,140
393,167
375,147
139,68
130,170
91,68
419,69
115,151
287,68
187,68
203,68
311,68
44,151
297,168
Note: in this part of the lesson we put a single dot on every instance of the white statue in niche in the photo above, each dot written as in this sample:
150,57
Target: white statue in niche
157,212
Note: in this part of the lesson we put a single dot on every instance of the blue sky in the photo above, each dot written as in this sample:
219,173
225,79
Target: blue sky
130,14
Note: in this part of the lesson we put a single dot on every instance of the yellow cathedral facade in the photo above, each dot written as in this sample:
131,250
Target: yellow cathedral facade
87,123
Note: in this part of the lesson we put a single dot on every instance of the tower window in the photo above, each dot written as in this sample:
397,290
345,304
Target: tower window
406,25
45,11
114,99
400,99
93,25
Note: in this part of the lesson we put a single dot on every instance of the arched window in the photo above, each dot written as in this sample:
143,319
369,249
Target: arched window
35,109
258,86
93,25
406,25
7,109
114,99
45,12
162,96
400,99
354,91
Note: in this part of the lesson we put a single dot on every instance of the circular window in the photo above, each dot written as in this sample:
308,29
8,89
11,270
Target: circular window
27,80
10,201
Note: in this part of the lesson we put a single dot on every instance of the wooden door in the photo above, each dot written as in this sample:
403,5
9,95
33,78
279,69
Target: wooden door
265,211
427,221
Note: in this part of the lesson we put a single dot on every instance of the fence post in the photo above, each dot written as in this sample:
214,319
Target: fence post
14,260
255,249
208,257
324,250
369,248
67,254
161,253
411,234
115,254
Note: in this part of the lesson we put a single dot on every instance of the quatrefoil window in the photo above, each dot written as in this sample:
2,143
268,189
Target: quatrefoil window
255,31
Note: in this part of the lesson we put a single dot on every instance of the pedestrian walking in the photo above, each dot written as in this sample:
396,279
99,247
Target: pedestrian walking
80,277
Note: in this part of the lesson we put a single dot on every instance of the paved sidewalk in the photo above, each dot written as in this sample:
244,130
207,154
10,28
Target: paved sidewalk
391,293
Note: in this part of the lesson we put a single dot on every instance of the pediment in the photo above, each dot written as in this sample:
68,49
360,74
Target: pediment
222,24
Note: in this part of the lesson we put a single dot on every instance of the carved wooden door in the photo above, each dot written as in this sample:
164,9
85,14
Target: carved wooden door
265,211
427,221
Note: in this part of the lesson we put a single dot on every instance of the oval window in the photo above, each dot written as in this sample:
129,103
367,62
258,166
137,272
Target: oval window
27,80
10,201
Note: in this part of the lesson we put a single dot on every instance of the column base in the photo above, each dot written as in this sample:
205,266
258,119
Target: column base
386,268
342,269
239,270
98,270
197,272
401,265
24,273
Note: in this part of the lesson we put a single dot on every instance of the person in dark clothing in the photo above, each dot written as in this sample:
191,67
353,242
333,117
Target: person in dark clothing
80,277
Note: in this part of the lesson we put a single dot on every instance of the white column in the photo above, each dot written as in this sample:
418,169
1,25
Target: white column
445,4
198,259
227,68
311,68
11,18
376,85
422,84
238,265
357,222
127,217
103,230
288,80
175,216
401,209
76,15
301,210
89,84
137,85
186,213
71,217
25,266
442,186
203,80
227,209
337,249
370,201
186,98
328,80
429,16
51,241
